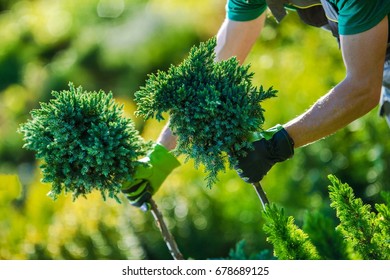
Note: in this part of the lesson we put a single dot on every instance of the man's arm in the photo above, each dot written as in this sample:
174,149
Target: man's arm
356,95
234,38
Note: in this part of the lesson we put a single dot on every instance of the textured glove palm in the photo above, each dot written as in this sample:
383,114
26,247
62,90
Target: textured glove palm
149,176
269,147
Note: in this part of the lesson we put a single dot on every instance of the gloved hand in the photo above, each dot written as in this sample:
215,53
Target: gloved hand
148,177
270,146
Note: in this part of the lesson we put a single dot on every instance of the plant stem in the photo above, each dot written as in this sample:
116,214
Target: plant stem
168,237
261,194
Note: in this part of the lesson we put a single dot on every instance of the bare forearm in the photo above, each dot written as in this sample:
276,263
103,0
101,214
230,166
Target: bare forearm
342,105
166,138
236,38
357,94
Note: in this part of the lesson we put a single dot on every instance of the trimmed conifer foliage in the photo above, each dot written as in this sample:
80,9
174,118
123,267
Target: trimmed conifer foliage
364,234
84,143
367,233
213,107
289,241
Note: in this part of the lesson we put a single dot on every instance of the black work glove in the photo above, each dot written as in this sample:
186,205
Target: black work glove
270,146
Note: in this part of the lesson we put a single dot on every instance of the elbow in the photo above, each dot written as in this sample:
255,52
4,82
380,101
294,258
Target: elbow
367,91
371,97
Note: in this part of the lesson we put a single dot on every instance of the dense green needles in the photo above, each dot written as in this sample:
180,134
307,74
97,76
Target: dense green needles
289,241
361,234
83,142
213,107
367,232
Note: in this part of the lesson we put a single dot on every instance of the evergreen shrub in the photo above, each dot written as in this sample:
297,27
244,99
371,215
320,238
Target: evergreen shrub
361,234
213,107
289,241
84,143
366,232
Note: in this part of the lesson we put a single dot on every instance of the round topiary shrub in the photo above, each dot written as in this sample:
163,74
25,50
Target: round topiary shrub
213,107
84,143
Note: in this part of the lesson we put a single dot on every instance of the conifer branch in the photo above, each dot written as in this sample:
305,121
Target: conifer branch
363,230
320,227
289,241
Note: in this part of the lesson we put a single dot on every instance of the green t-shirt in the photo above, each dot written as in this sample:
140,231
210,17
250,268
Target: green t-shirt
357,16
354,16
244,10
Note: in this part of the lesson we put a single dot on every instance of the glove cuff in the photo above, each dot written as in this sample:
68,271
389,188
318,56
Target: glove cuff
284,144
162,159
265,134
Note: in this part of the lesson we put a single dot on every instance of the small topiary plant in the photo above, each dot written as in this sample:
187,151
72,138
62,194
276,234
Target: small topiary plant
213,107
84,143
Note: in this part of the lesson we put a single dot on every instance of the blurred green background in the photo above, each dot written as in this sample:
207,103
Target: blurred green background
113,45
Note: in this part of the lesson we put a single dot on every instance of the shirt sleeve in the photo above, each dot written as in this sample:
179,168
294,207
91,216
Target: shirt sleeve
245,10
358,16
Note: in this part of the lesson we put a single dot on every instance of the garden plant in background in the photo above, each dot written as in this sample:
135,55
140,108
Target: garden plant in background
366,232
85,144
361,233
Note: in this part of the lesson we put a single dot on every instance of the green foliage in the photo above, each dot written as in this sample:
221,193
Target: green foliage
320,226
36,227
289,241
361,234
61,41
386,197
366,232
84,142
213,107
238,253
